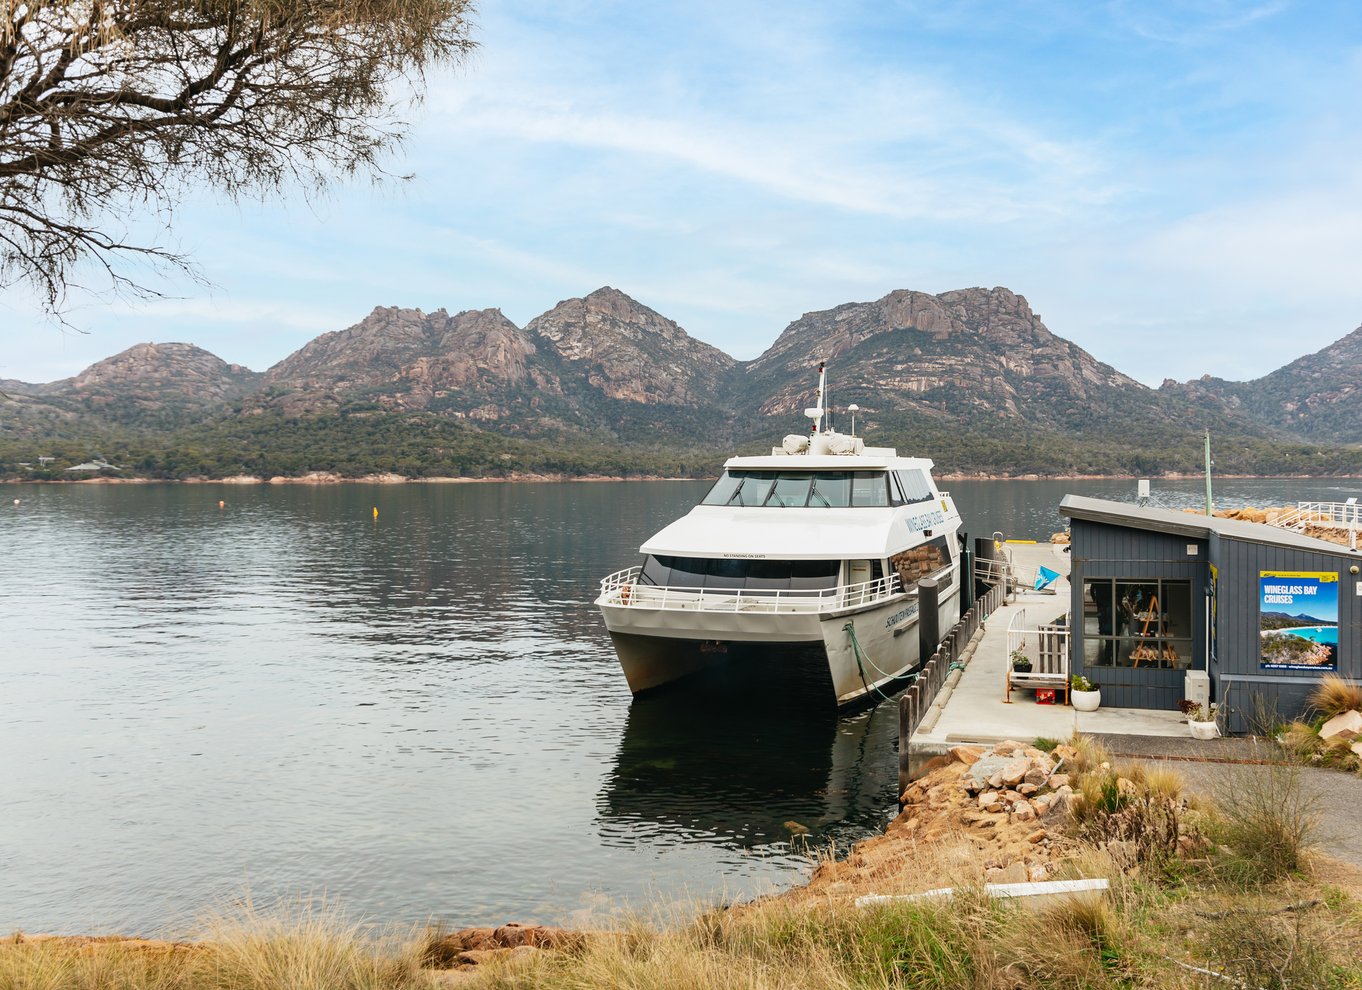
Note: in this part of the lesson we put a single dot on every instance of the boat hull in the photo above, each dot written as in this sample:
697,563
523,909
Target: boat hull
657,647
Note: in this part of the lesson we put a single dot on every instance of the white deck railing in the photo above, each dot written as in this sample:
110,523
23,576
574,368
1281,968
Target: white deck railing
1001,570
1334,515
1047,646
623,588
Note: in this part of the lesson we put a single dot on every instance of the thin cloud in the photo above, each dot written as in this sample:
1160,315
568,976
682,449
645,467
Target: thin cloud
1196,23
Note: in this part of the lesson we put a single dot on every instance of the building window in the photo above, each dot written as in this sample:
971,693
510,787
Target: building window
1137,623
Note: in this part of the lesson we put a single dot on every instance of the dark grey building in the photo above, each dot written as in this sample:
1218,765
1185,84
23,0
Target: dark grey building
1159,594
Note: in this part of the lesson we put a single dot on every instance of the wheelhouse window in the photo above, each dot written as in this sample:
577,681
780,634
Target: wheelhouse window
740,575
801,489
790,491
1137,623
830,490
870,488
913,486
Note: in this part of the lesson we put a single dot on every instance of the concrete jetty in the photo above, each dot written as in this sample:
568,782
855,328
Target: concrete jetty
973,710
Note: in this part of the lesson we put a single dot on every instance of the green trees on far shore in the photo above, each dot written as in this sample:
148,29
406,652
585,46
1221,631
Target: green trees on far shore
422,446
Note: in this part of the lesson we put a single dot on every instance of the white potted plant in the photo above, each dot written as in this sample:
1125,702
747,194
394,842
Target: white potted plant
1085,695
1202,721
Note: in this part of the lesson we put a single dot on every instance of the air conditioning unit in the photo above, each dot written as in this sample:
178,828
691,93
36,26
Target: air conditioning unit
1197,687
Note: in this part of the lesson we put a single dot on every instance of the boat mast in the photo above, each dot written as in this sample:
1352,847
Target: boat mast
815,412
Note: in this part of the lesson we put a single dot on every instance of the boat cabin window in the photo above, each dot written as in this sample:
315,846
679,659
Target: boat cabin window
831,490
753,489
790,490
921,561
912,486
869,489
740,575
724,489
800,489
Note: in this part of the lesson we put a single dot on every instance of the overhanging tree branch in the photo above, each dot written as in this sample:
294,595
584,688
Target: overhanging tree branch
104,102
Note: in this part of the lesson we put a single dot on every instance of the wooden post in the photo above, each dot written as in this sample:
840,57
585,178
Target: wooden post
906,701
928,618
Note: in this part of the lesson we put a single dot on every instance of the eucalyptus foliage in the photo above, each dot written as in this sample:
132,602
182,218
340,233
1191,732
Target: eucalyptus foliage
107,105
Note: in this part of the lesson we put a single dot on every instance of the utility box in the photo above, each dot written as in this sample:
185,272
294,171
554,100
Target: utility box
1197,688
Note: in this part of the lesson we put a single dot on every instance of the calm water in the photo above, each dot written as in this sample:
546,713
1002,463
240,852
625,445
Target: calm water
418,717
1318,634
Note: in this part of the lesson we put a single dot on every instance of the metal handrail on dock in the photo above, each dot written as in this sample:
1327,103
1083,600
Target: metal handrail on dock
1002,572
1331,515
1020,633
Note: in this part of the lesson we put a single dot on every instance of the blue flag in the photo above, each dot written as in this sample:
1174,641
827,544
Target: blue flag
1045,577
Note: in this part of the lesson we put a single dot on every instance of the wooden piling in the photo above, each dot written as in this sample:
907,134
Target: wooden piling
928,617
942,655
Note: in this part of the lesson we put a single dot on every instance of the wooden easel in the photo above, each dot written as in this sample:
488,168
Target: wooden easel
1145,652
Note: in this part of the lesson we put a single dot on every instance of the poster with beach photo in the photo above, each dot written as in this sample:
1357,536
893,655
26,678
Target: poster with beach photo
1298,620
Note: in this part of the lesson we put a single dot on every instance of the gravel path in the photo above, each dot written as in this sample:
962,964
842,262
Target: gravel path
1215,764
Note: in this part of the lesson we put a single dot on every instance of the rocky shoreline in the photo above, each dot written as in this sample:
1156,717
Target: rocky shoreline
1009,814
333,478
999,812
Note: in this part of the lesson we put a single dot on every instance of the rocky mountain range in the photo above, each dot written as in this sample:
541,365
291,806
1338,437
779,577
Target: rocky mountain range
148,385
972,377
1315,396
969,353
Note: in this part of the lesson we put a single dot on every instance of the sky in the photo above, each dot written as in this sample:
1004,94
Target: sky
1176,187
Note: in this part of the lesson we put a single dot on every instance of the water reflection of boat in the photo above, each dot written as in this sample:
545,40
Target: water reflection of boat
738,778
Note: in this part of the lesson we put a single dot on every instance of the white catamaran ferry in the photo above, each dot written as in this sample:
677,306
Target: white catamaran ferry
817,547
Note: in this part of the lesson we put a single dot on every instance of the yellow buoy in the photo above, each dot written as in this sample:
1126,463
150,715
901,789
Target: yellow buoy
375,512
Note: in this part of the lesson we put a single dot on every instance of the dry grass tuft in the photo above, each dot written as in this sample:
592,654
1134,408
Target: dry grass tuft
310,946
1335,695
1267,819
1161,780
1299,739
300,947
1276,951
1089,755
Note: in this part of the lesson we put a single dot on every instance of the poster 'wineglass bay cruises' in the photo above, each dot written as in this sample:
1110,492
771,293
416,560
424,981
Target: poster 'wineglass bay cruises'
1298,620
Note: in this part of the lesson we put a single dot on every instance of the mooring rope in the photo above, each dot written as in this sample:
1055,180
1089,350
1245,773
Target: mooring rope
850,629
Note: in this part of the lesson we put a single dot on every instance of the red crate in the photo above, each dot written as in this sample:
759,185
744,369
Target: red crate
1045,696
